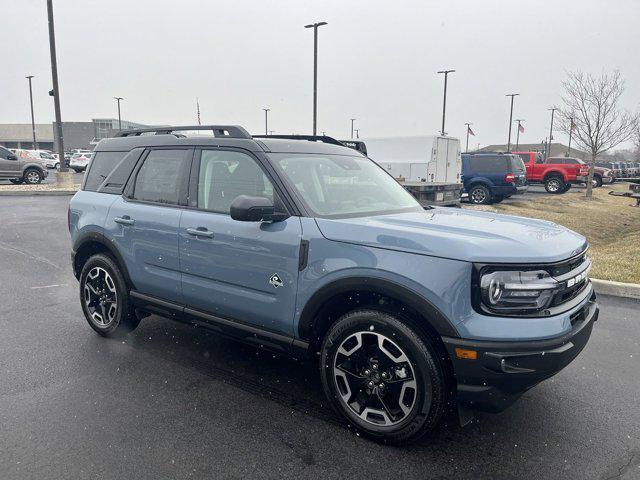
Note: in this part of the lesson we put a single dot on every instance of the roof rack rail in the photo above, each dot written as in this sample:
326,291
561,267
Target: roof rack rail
311,138
229,131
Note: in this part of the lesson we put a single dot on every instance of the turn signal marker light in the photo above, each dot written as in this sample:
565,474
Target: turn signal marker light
465,354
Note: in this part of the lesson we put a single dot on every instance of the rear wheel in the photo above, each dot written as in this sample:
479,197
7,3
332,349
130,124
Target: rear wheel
555,184
383,377
479,195
32,176
104,297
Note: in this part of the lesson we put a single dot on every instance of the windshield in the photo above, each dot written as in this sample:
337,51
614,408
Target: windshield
341,185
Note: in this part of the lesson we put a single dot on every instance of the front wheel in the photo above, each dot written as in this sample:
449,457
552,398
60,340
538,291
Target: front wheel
104,297
597,181
554,185
383,377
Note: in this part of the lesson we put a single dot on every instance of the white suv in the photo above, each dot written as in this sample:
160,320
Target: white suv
80,161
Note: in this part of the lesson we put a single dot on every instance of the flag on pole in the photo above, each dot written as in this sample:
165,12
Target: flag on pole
520,128
198,110
469,131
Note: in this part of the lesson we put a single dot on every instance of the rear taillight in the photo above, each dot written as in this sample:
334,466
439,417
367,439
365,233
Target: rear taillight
509,177
584,170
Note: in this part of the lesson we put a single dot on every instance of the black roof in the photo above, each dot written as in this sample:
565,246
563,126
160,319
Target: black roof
223,135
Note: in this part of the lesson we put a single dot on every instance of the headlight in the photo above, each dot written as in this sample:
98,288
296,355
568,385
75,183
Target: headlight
506,291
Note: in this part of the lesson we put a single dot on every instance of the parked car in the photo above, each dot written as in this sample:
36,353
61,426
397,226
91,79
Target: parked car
600,175
556,177
311,248
20,167
492,177
80,161
631,168
50,161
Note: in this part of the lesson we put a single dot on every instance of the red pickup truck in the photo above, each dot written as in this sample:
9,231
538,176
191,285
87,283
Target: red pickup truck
556,177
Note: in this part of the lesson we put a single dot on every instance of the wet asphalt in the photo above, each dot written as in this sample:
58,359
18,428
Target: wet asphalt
172,401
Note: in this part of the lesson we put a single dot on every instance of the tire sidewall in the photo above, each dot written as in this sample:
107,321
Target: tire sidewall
430,381
120,322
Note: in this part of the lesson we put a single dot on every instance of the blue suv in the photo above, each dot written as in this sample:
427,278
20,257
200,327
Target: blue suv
304,246
492,177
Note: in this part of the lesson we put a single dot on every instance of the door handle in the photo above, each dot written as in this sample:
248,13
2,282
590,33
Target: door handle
200,232
124,220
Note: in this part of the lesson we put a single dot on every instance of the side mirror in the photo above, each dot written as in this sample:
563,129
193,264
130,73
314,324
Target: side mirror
11,156
253,209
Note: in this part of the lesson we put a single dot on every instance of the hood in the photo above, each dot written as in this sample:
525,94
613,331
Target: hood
459,234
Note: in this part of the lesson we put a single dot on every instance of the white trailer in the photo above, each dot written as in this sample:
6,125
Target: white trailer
430,167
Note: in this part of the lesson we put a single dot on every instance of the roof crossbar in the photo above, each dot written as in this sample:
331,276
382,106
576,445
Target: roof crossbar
228,131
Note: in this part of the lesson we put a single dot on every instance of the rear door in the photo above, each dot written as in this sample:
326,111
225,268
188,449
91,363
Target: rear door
243,271
143,223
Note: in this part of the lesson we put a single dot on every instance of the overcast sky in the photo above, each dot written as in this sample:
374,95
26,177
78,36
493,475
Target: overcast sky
377,61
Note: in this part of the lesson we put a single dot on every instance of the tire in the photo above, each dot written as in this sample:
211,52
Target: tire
94,285
32,176
567,187
16,181
414,390
555,184
77,170
57,166
597,181
479,195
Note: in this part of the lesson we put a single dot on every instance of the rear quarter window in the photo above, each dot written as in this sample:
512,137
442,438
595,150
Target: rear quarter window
488,163
100,167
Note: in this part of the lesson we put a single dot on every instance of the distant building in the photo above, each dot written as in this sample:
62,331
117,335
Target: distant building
84,135
557,149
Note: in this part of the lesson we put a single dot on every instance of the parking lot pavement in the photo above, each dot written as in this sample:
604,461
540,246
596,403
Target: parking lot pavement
173,401
51,178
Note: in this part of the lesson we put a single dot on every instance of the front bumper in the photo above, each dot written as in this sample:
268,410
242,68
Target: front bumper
503,371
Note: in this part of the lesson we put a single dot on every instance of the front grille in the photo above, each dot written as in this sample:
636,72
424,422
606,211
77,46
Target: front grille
567,294
562,268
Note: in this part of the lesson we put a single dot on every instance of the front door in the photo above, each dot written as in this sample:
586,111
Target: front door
9,168
245,271
144,223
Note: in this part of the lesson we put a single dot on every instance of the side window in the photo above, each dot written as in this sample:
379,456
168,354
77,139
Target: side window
4,153
539,158
100,168
525,158
224,175
489,164
161,176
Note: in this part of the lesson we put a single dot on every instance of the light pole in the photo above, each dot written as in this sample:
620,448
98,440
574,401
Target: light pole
352,120
518,132
553,110
466,148
266,120
33,122
444,100
315,70
357,130
117,99
64,179
512,95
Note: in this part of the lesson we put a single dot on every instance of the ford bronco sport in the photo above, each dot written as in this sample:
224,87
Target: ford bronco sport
306,246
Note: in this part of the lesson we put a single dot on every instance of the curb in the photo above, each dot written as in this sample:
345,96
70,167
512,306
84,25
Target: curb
6,193
616,289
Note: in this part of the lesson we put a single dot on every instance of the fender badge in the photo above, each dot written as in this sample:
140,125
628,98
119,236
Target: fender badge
275,281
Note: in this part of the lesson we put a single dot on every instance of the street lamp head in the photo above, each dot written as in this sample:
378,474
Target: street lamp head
315,25
29,76
512,94
118,98
446,71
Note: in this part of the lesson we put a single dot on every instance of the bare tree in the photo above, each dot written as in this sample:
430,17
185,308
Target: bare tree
598,124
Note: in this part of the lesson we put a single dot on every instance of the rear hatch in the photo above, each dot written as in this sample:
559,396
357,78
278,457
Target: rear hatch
516,166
